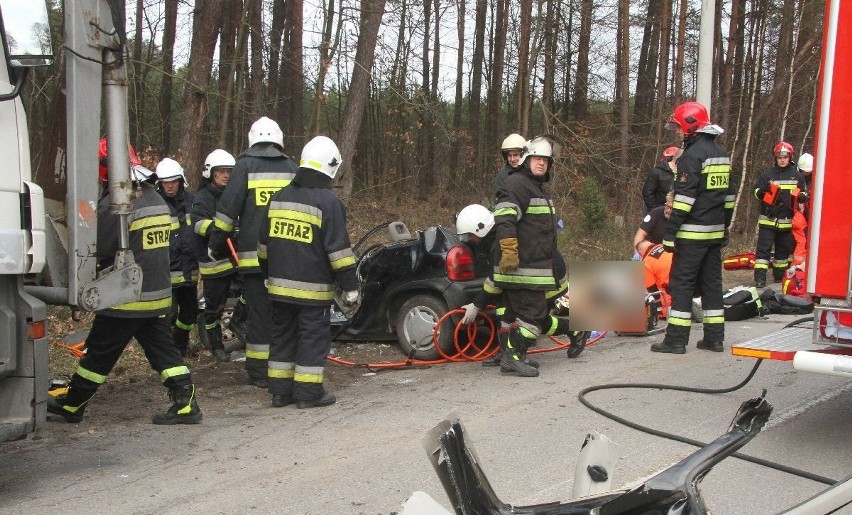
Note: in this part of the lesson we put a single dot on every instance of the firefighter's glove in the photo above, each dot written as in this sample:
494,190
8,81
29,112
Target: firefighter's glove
470,312
669,246
349,302
509,255
351,298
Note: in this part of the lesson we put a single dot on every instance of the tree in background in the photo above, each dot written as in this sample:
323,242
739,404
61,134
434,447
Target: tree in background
421,105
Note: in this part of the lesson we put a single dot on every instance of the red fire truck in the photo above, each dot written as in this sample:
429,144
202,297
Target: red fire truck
826,345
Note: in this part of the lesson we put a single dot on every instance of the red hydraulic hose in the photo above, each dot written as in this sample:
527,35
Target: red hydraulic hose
463,351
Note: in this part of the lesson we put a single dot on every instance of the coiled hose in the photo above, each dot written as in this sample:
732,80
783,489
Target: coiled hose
465,351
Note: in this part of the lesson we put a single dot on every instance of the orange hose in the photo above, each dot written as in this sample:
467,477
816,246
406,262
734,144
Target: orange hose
461,355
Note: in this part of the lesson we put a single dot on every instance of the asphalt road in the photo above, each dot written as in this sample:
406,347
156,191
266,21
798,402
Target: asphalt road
364,455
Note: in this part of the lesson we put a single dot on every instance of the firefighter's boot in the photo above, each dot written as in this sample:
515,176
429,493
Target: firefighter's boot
184,408
578,342
181,338
237,323
71,405
502,336
512,360
668,348
760,278
522,350
711,346
327,399
217,349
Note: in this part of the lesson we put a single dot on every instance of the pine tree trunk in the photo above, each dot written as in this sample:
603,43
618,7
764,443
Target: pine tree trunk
204,34
359,89
168,49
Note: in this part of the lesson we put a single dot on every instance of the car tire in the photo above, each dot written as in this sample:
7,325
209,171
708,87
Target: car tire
414,324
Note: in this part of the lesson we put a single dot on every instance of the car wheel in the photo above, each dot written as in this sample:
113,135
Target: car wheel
414,325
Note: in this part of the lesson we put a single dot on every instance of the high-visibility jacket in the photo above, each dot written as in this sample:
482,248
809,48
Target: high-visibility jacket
260,172
202,218
150,225
524,211
184,260
658,265
704,194
304,247
779,214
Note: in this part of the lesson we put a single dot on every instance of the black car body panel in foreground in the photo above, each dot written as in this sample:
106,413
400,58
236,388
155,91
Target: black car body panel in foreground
673,491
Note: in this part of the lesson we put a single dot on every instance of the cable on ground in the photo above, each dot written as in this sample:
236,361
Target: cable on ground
671,436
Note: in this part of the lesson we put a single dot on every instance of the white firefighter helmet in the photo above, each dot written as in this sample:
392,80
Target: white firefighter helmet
476,219
806,163
139,173
217,159
170,170
321,154
513,142
265,130
540,146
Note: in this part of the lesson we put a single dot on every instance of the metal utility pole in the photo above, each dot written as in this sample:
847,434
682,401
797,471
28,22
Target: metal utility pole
705,53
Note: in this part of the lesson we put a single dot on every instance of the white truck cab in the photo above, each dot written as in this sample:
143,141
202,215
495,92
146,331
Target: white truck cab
23,329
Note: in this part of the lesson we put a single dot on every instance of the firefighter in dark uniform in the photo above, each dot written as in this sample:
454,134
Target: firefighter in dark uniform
216,274
260,172
184,261
778,189
146,319
512,149
473,225
697,228
525,224
305,253
659,180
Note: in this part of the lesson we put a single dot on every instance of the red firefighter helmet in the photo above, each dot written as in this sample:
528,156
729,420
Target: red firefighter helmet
783,148
689,117
103,170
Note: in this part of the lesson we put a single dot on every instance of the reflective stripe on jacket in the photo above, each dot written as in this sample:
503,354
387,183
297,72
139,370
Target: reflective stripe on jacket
704,195
182,254
779,216
524,211
202,214
304,245
260,172
150,227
